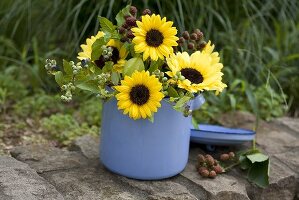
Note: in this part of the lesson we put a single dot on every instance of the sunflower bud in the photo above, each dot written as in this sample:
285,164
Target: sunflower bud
186,35
133,10
146,12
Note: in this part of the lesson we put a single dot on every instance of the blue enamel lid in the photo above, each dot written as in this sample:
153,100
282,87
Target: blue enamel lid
220,135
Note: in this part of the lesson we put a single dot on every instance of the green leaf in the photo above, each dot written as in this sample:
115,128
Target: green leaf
115,78
91,86
172,92
257,157
195,123
244,162
120,17
96,48
252,101
108,67
67,67
106,25
181,103
155,65
59,78
151,118
132,65
259,173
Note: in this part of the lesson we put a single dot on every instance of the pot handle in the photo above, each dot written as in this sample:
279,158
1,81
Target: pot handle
197,102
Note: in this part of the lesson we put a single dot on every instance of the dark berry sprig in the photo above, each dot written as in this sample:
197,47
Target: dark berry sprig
208,166
130,22
192,41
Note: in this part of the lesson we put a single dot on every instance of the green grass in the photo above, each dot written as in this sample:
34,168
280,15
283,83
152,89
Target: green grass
256,40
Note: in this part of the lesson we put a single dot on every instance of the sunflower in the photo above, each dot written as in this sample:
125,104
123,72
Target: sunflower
154,37
86,53
119,52
199,70
208,49
139,95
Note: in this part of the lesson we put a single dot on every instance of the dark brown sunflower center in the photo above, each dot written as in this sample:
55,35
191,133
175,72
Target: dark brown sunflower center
154,38
114,58
115,55
192,75
139,94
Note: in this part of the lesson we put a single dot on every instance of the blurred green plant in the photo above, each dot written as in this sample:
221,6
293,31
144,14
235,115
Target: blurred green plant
39,105
64,128
263,101
90,112
11,88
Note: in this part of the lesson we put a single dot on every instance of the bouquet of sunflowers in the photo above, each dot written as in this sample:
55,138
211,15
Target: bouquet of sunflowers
141,61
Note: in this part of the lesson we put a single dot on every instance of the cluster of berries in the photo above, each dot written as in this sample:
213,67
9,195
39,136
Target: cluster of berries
193,41
130,22
67,88
207,166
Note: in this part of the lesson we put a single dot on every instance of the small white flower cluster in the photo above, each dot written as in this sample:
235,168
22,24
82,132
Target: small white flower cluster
51,66
107,52
103,78
67,88
76,68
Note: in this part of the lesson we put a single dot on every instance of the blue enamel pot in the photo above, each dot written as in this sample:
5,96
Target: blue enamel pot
141,149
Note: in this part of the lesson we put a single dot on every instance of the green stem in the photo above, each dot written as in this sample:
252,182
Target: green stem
231,166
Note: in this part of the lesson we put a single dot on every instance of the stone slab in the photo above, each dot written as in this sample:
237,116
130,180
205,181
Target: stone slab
19,182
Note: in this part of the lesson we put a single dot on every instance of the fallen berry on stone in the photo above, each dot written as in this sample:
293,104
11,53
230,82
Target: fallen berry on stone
212,174
201,158
205,173
231,155
210,160
200,169
218,169
224,157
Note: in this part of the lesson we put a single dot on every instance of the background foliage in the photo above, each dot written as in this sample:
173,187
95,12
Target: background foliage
257,41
